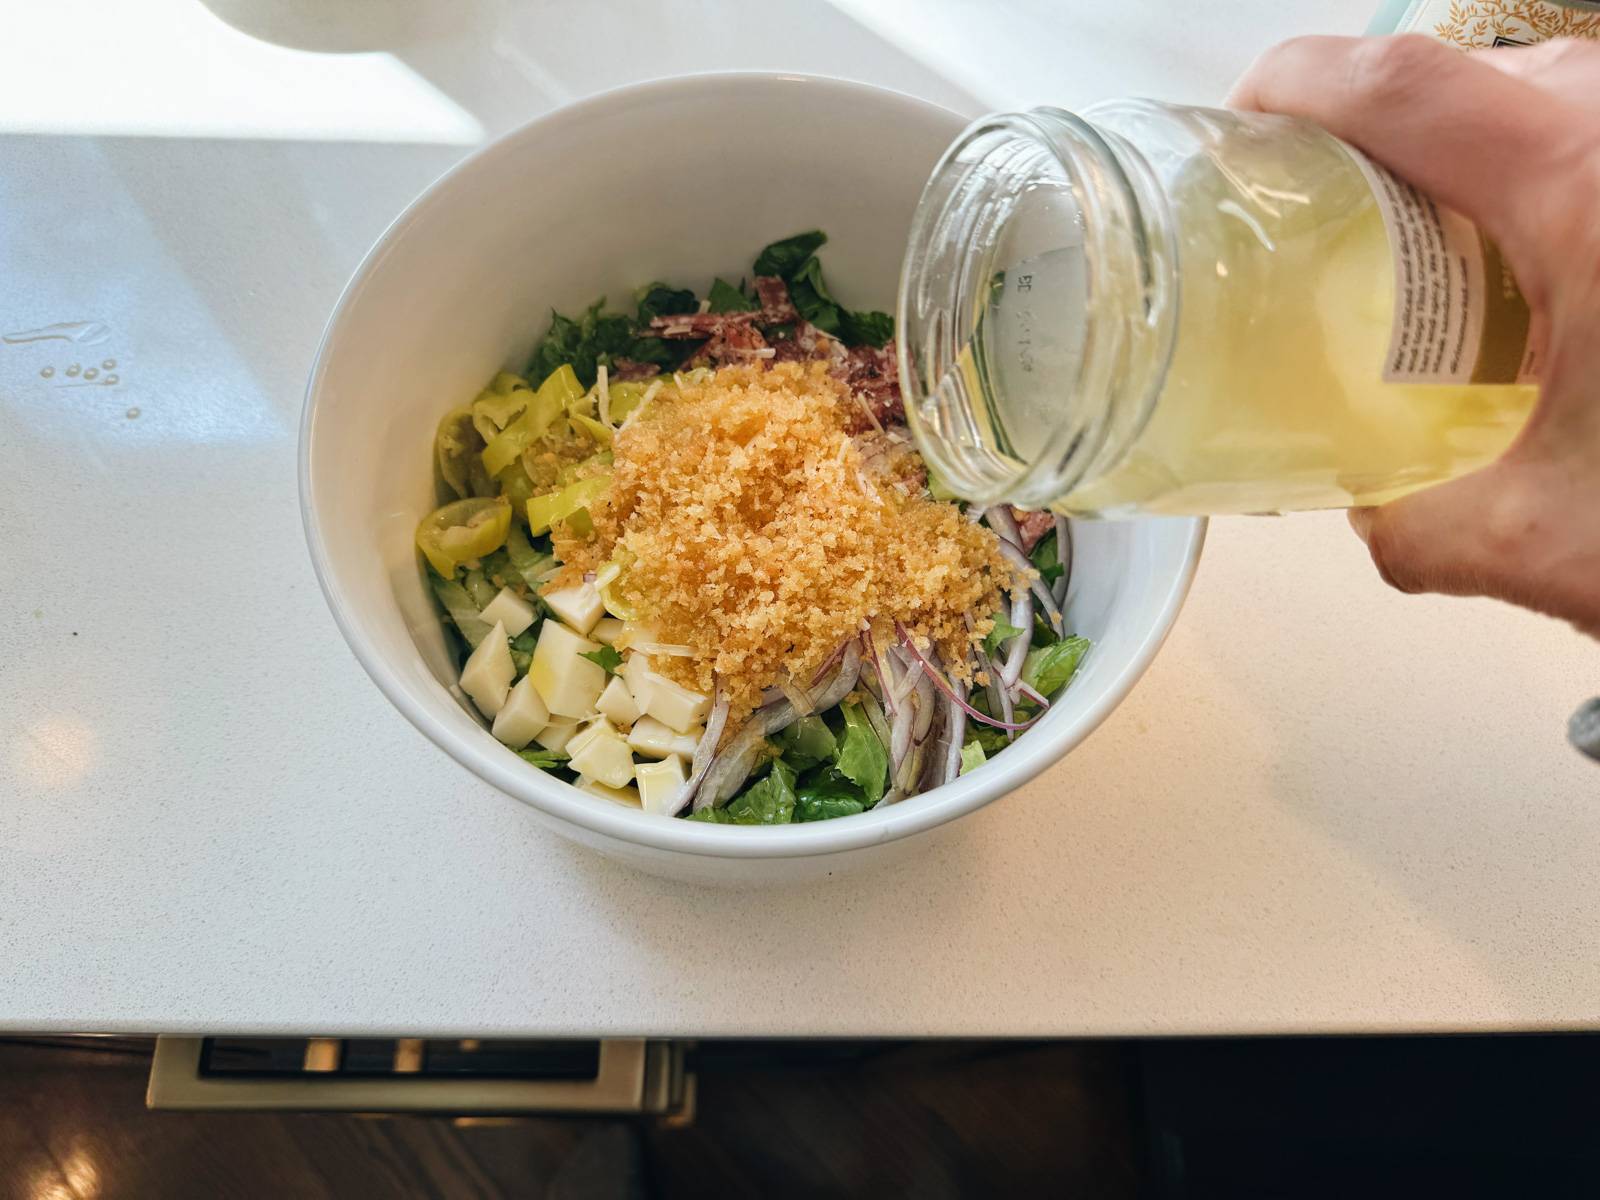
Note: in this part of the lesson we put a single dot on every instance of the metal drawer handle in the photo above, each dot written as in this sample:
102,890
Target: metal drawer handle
633,1075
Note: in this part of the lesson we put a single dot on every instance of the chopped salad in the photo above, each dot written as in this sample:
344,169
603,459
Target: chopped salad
697,567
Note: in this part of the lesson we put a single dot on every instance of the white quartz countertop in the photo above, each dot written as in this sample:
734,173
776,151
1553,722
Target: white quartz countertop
1327,807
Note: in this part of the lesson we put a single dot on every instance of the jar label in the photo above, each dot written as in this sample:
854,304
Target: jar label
1459,316
1477,24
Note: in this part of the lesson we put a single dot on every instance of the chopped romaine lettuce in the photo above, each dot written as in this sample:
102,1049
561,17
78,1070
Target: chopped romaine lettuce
785,258
462,611
522,648
724,298
527,562
825,794
972,756
825,808
863,328
812,299
989,739
767,801
1048,669
543,759
806,743
862,757
497,569
1047,559
601,337
658,300
816,303
1002,632
479,587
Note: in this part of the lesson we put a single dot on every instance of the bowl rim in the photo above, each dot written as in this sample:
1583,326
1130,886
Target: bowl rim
560,800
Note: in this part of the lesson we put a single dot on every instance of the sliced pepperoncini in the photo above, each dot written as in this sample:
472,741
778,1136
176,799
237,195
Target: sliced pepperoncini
464,530
545,511
457,447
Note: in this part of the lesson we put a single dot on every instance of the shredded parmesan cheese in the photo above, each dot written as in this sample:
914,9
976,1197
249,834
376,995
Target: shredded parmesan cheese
760,543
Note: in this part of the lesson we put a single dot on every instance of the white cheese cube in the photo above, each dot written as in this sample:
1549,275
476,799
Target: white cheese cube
581,738
660,784
603,756
655,740
578,606
616,703
676,706
488,672
568,683
511,610
623,795
522,716
636,670
555,736
606,630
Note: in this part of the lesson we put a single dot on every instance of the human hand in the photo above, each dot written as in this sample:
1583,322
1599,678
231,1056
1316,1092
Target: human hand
1511,139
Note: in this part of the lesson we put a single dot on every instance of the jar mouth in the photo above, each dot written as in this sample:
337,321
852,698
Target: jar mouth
1028,301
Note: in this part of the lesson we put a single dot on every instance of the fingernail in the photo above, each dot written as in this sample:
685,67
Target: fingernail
1361,521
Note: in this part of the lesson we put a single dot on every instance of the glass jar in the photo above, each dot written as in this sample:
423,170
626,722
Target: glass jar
1161,309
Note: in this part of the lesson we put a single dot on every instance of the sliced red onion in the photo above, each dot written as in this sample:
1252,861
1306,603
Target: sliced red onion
1003,523
908,681
729,769
899,738
732,767
926,704
796,695
1036,697
706,750
1022,618
886,676
1036,583
955,727
875,717
827,663
943,684
1008,710
871,680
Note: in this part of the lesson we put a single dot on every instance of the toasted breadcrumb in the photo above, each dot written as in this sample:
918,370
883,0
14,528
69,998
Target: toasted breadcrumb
760,536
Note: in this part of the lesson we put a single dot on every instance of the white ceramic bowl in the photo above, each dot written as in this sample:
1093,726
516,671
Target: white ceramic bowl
678,180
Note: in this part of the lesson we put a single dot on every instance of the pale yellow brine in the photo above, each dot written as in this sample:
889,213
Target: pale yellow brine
1275,397
1160,309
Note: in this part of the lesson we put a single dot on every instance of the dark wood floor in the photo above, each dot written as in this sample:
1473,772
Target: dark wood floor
931,1120
1241,1119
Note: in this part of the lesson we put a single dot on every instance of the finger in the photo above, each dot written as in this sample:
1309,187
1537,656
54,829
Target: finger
1473,136
1514,531
1565,69
1432,541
